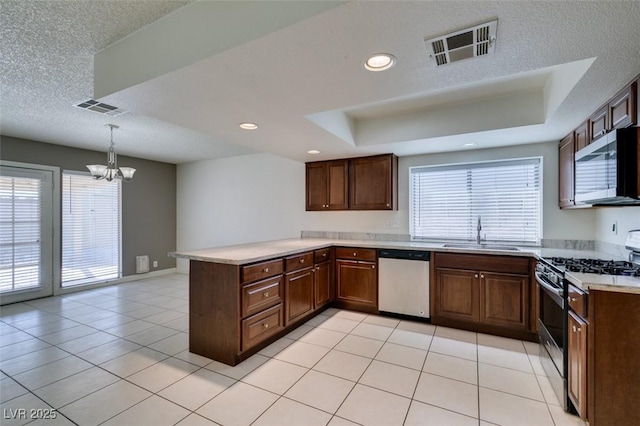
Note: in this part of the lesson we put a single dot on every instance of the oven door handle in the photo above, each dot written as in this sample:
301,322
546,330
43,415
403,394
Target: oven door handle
551,289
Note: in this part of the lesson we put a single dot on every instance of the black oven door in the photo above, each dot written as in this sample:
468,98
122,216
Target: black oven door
552,332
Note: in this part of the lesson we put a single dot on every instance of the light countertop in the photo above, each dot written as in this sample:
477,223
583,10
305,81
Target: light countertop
255,252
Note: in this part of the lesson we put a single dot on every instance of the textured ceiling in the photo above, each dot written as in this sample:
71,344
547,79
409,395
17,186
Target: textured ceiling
282,78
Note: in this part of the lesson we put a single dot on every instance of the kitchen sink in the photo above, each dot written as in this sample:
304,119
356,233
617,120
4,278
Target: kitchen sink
482,247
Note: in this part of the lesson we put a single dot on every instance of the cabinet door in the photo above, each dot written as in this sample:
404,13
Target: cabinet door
323,289
599,123
357,282
582,138
316,180
577,361
372,182
566,172
298,294
622,108
504,300
338,185
456,295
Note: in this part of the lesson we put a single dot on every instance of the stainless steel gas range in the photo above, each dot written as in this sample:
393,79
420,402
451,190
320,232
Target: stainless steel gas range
554,307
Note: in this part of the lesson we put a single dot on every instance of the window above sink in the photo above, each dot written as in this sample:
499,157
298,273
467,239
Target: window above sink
445,202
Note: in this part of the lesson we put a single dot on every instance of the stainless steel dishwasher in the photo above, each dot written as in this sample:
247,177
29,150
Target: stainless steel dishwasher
403,282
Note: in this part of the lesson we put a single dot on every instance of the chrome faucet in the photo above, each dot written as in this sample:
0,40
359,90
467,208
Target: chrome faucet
478,239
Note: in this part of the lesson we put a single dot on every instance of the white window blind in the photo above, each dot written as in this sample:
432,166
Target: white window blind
446,200
90,229
20,230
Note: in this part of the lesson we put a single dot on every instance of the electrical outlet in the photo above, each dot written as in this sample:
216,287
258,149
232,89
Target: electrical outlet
155,263
393,223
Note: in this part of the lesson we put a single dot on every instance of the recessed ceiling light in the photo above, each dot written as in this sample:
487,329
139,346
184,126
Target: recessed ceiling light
313,152
469,145
380,62
248,126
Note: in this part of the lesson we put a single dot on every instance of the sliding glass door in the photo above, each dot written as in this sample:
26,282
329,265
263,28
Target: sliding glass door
26,234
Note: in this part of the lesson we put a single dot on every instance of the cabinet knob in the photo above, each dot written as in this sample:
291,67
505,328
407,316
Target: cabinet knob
266,294
324,254
373,266
574,329
481,275
388,205
302,260
355,253
573,299
265,270
475,276
265,325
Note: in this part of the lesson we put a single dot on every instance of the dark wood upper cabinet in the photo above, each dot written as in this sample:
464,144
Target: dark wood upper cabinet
581,135
622,108
327,185
364,183
566,174
599,123
373,182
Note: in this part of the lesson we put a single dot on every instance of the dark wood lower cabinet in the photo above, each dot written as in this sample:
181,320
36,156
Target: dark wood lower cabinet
357,285
613,354
495,298
577,363
504,300
299,295
457,294
323,284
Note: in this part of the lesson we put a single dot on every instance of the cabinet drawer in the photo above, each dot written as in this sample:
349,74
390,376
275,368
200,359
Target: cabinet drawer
261,326
578,301
321,255
299,261
261,295
261,270
356,253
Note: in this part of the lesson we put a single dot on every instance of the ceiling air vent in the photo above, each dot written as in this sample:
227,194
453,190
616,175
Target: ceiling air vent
100,107
464,44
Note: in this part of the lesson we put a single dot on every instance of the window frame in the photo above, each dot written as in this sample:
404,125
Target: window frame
482,164
83,284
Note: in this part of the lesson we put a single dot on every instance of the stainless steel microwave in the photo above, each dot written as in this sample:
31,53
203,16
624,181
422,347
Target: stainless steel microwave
607,169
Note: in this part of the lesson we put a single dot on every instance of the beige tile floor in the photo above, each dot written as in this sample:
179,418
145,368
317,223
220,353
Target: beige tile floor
119,355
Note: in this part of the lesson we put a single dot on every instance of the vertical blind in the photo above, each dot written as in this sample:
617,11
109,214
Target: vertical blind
20,231
90,229
446,201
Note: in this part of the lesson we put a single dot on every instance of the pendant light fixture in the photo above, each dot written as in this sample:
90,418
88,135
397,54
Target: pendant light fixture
111,170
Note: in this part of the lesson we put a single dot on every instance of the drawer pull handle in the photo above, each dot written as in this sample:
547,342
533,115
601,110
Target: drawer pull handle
324,254
265,325
265,270
266,294
302,260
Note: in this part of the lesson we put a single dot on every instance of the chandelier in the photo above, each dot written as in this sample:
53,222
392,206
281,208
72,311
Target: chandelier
111,170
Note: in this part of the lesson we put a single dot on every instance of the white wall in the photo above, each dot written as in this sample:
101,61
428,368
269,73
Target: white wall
628,218
238,200
261,197
557,224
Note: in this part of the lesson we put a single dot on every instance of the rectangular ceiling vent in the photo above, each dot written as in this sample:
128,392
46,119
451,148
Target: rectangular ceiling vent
100,107
464,44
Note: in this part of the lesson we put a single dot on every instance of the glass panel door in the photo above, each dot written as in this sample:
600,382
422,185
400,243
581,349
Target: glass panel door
26,234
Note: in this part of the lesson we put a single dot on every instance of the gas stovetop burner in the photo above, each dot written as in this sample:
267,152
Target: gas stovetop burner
597,266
